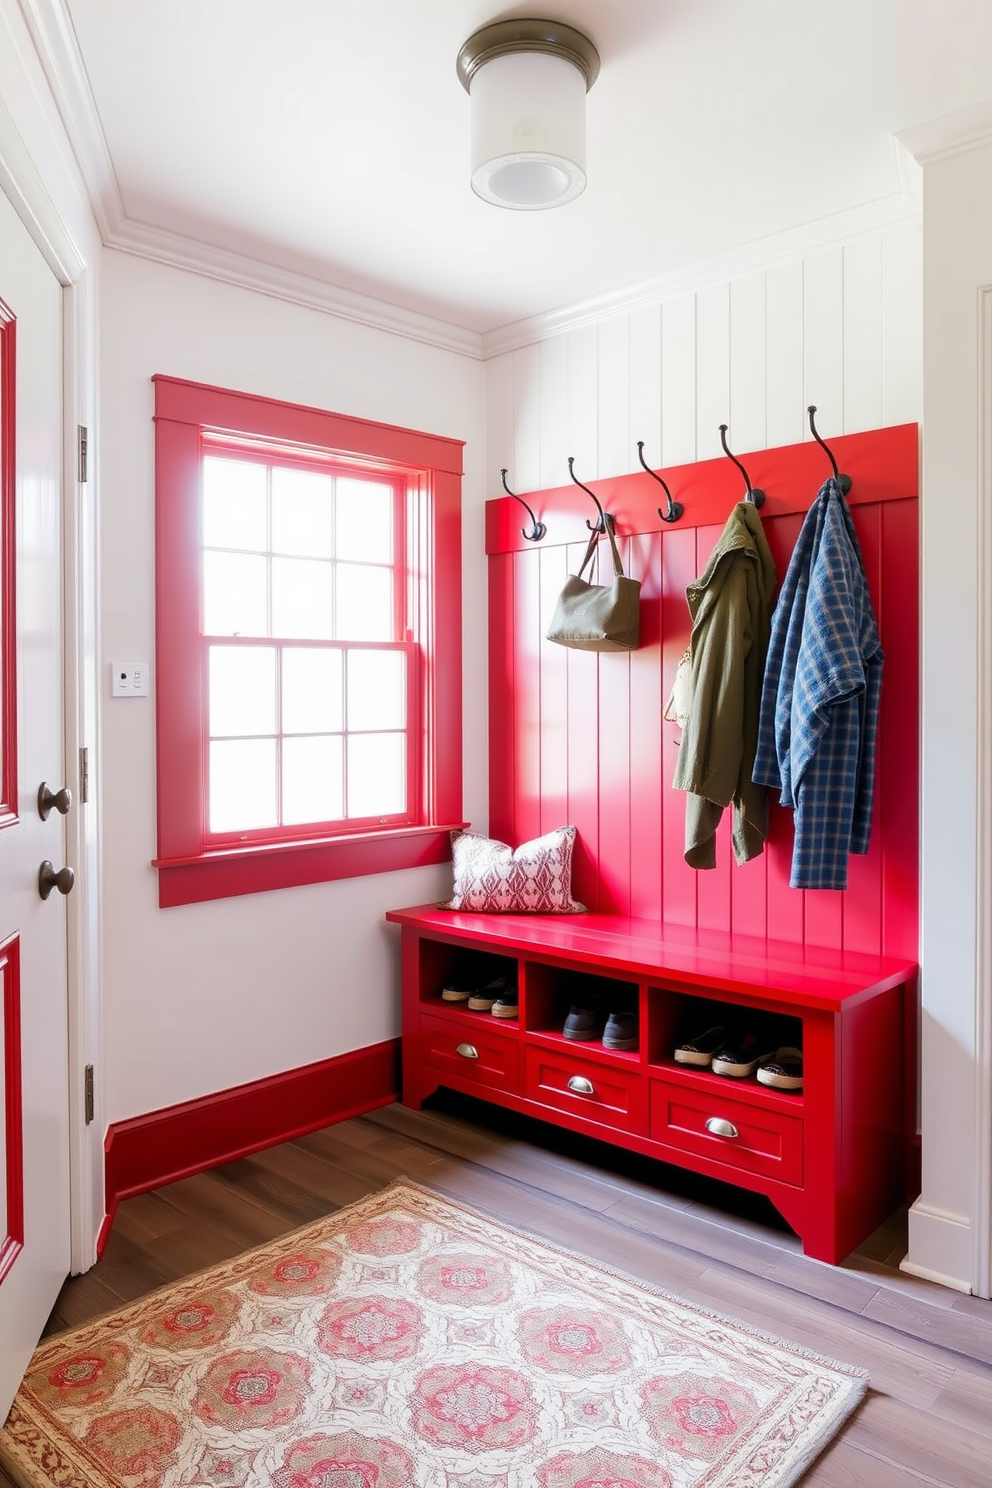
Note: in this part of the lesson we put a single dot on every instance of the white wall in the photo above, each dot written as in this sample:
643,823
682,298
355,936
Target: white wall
950,1224
840,328
204,997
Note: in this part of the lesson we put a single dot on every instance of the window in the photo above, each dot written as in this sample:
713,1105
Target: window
308,648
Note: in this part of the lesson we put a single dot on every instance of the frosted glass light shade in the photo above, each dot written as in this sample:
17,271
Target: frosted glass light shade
528,131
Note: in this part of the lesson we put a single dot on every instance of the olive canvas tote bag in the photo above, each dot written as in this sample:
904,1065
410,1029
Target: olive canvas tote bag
598,617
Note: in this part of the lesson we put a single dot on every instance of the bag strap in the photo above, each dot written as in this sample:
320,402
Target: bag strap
590,550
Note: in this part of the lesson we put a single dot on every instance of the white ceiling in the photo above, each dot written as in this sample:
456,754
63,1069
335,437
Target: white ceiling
330,137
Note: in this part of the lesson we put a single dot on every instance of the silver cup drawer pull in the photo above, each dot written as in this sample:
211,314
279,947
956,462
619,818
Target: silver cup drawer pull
721,1128
581,1085
467,1051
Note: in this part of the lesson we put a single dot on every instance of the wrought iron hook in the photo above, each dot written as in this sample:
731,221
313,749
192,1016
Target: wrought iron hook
604,516
538,528
675,508
844,481
752,494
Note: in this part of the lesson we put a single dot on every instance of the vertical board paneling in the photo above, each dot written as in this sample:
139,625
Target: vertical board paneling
786,413
902,324
502,692
554,410
678,382
614,767
583,390
862,334
646,705
863,896
527,696
527,419
499,419
678,569
746,414
713,370
897,804
614,397
823,340
645,383
554,697
583,759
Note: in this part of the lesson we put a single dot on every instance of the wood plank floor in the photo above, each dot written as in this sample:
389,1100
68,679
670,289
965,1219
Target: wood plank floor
927,1419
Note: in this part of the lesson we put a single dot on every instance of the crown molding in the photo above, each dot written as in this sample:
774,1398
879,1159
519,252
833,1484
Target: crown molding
231,267
54,40
951,134
826,232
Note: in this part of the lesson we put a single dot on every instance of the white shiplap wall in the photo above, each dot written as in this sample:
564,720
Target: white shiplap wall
841,328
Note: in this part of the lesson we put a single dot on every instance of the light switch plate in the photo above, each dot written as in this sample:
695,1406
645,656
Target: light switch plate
129,679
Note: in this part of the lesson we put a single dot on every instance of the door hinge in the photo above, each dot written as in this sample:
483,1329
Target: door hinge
84,775
88,1094
82,442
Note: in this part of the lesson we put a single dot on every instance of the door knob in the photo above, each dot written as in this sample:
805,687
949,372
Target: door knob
47,799
48,879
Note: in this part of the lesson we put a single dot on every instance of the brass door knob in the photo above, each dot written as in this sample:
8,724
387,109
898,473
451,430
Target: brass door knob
48,800
48,879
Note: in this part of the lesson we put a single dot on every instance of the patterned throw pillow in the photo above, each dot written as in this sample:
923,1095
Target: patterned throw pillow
490,878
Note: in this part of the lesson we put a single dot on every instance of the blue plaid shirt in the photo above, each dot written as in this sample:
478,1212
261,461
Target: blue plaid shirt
819,700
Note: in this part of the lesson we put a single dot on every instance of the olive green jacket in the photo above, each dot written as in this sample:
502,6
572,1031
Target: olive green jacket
730,606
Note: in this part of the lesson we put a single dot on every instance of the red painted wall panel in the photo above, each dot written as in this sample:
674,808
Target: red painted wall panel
579,737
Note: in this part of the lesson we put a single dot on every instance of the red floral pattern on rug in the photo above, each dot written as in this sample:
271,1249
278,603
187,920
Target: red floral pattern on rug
200,1323
602,1469
578,1341
408,1342
345,1461
136,1444
253,1389
474,1406
368,1329
697,1415
83,1378
308,1273
469,1279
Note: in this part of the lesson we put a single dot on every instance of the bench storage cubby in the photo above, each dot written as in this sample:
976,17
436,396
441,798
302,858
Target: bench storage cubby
830,1157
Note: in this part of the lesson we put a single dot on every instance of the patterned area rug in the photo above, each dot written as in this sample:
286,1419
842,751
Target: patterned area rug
409,1342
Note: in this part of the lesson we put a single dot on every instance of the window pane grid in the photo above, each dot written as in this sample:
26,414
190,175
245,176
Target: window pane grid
353,767
332,578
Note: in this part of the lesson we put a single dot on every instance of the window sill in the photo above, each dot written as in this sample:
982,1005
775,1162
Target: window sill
225,873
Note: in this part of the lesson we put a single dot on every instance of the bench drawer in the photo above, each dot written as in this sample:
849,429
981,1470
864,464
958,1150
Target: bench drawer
584,1088
475,1053
745,1136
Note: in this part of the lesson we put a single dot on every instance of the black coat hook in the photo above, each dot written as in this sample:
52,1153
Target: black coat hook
604,516
538,529
844,481
756,497
675,508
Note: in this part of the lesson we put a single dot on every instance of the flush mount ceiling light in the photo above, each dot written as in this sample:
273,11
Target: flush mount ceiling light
528,80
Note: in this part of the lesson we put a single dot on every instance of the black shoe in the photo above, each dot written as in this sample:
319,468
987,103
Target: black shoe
507,1004
741,1056
481,999
699,1049
620,1031
585,1021
783,1071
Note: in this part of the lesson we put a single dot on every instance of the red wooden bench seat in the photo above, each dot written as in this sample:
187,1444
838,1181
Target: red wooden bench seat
831,1157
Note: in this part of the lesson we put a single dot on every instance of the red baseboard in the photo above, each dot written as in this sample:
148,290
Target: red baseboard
161,1146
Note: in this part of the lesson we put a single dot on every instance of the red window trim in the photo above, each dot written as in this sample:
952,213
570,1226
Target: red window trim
188,870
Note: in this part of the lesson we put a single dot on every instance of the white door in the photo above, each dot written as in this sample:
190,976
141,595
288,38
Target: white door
34,1108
